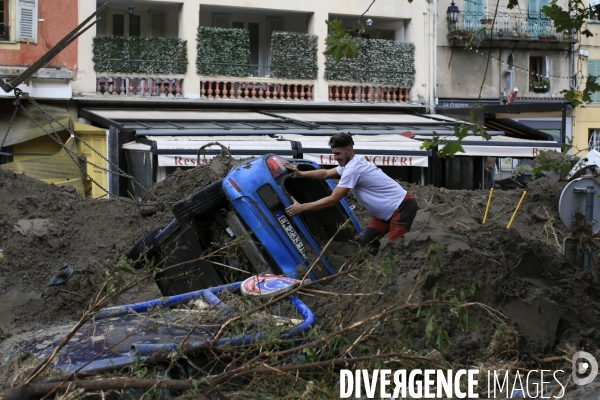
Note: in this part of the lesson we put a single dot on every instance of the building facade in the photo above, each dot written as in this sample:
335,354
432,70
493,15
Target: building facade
489,50
259,70
28,29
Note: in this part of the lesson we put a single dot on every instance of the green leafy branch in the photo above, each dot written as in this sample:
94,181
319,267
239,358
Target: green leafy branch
573,19
340,41
450,148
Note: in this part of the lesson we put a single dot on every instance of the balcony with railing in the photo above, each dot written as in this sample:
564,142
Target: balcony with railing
531,28
143,67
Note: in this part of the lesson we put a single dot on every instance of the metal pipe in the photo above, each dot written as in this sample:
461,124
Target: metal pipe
163,302
145,349
590,193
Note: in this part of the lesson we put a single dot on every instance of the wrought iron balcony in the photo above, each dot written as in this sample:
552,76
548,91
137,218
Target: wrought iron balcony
527,26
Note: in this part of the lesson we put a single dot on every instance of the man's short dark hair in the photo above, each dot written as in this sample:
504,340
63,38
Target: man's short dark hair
341,140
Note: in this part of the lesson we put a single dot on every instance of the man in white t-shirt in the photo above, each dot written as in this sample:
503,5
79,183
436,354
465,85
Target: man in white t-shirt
392,208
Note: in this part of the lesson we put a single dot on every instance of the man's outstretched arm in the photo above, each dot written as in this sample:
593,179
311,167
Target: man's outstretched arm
325,202
318,174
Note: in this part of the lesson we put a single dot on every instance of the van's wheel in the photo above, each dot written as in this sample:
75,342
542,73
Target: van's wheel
144,245
203,200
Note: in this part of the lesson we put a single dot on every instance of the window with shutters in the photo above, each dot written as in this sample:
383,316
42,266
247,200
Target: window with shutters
157,23
473,14
4,24
27,18
221,21
539,74
593,69
537,22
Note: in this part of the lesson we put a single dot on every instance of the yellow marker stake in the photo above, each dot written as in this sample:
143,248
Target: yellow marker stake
488,206
516,209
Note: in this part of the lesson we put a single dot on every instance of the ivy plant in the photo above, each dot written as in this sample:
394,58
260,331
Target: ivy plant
223,52
294,55
395,63
139,55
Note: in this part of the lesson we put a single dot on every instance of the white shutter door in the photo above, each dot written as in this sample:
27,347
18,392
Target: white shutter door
533,8
27,21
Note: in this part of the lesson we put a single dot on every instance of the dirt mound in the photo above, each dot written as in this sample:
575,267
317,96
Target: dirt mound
520,272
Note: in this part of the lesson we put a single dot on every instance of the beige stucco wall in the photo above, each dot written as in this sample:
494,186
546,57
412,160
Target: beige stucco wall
418,30
587,117
461,70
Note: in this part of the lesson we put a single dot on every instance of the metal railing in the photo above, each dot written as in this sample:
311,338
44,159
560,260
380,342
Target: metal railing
534,25
264,70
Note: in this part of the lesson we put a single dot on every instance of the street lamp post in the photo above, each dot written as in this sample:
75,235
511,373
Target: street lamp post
452,14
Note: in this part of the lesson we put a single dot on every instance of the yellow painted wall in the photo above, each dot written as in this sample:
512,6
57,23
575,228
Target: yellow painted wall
41,147
586,117
96,140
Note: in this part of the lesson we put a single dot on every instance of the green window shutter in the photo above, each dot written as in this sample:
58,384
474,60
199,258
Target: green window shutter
27,21
473,7
533,8
593,68
542,4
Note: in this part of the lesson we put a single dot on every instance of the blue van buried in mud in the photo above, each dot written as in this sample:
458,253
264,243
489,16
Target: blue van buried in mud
239,224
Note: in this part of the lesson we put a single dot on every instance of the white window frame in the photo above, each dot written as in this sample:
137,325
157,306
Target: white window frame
547,69
594,142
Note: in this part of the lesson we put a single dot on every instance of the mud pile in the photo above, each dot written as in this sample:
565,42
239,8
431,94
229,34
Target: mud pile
518,271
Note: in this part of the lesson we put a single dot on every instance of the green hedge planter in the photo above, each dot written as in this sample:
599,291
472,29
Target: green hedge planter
223,52
294,56
139,55
379,62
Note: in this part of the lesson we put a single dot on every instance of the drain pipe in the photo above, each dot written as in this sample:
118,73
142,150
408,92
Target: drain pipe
432,56
572,86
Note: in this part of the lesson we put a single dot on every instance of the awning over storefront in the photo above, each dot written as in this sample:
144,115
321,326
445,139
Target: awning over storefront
516,129
504,146
364,118
381,150
182,151
272,122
